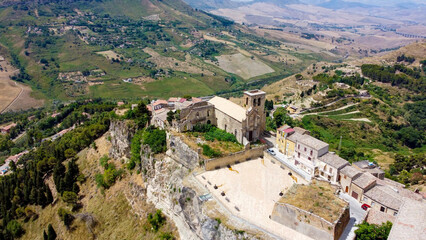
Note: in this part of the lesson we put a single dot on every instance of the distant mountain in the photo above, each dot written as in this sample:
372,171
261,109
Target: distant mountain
209,5
339,4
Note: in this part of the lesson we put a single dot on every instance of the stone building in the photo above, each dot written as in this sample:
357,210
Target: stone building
247,123
330,165
347,175
367,166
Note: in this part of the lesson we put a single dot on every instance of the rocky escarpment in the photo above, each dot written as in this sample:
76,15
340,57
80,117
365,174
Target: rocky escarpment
163,185
181,152
165,188
121,134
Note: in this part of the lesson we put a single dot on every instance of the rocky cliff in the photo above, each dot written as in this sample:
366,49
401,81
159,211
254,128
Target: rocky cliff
121,134
163,185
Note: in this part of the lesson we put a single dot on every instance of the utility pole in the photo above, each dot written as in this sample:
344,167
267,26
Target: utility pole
340,143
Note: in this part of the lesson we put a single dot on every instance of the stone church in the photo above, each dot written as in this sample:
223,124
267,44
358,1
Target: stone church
246,122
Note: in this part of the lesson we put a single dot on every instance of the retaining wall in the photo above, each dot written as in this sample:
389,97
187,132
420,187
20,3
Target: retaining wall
238,157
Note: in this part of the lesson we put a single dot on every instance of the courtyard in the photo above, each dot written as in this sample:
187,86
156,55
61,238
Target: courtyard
250,189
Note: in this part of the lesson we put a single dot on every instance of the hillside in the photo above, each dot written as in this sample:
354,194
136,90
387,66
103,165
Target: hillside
127,49
366,109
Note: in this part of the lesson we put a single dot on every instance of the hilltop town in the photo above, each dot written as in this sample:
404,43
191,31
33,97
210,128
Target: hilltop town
294,158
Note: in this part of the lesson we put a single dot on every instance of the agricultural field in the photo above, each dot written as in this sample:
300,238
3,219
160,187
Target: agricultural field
243,66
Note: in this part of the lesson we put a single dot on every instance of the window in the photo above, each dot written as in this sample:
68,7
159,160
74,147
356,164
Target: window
208,113
258,102
365,199
331,170
246,101
372,204
344,176
254,102
311,152
298,155
305,149
235,132
395,213
382,209
309,158
298,147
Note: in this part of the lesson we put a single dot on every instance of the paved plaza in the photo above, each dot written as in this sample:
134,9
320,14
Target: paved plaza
250,191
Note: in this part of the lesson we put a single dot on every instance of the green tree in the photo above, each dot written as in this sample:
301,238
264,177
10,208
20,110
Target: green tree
69,197
51,234
15,229
368,231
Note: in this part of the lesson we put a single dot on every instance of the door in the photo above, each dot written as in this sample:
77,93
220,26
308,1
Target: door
347,189
251,136
355,195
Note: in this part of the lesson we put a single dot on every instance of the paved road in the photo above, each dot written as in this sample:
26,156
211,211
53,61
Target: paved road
357,216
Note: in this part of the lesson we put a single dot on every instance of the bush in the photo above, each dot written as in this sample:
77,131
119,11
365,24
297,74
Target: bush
210,152
156,139
368,231
156,220
65,216
15,229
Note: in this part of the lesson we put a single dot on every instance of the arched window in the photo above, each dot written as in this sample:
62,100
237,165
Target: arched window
258,102
247,101
208,113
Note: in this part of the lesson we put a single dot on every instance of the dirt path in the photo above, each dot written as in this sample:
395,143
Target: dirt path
359,120
334,110
15,96
14,100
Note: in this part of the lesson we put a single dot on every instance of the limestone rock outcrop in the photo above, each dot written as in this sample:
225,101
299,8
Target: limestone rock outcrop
121,134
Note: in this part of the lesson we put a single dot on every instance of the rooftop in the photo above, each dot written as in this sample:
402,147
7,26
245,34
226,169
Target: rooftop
255,92
282,128
232,109
410,222
375,216
312,142
384,195
365,164
365,180
334,160
158,102
317,198
350,171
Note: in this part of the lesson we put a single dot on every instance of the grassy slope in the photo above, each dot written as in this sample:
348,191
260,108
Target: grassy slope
115,217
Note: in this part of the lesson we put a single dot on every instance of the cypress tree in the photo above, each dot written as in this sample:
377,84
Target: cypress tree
51,234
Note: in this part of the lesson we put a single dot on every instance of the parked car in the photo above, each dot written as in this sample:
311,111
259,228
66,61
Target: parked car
365,206
271,151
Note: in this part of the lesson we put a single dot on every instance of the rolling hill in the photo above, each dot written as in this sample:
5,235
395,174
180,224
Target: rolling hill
127,49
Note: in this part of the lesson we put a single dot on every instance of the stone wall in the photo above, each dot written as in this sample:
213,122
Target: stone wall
180,152
230,125
308,223
238,157
121,134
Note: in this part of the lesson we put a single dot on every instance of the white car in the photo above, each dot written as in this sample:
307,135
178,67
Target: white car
271,151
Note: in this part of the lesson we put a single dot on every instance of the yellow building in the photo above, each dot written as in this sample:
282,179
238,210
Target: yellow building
283,143
291,109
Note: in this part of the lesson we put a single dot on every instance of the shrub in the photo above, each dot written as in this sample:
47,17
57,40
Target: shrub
156,220
15,228
210,152
65,216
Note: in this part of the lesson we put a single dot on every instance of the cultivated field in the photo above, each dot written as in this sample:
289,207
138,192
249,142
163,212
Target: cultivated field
14,96
109,54
243,66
